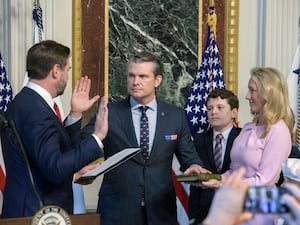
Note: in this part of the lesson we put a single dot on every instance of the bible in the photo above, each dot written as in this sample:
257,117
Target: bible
195,177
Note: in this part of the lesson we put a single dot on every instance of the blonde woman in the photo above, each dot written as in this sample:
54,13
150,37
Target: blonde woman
266,142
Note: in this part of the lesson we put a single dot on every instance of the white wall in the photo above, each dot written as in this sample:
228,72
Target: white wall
16,35
247,54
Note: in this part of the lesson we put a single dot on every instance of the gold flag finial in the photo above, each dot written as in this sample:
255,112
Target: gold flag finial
212,18
36,2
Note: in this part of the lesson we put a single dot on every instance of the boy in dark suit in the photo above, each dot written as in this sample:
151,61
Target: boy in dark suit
222,108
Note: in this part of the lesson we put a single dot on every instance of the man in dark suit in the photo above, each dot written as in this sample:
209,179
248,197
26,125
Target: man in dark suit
52,160
140,191
222,107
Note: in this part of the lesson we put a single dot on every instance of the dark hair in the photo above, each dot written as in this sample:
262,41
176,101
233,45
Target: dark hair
232,99
42,56
141,57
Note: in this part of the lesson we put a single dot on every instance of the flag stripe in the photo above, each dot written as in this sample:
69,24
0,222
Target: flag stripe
2,180
182,216
180,192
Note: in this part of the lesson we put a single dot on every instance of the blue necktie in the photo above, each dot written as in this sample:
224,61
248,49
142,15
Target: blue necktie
218,152
144,133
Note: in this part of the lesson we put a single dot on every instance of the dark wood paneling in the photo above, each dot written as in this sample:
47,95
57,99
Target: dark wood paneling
93,33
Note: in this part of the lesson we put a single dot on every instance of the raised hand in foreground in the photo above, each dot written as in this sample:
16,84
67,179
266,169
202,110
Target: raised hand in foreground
80,101
227,205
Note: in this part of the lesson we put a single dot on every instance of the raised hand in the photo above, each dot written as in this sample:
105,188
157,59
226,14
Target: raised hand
226,208
80,100
101,124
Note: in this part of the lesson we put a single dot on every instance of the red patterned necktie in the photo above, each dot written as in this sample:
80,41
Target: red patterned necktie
218,152
56,109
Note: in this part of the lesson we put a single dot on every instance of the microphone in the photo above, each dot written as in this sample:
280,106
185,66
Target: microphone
9,127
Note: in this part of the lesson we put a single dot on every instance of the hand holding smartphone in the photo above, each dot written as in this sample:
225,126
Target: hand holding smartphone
265,199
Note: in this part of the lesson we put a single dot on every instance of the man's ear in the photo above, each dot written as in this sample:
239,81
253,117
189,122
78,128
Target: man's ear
234,113
158,80
56,71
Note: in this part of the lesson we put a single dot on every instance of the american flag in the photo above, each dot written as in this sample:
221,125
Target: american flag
6,97
208,77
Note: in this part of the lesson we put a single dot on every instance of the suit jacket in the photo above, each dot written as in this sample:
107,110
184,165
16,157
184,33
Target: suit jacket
200,199
124,187
52,160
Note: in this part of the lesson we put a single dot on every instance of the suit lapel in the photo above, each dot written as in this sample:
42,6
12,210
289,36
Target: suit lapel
210,149
232,135
128,127
43,103
159,130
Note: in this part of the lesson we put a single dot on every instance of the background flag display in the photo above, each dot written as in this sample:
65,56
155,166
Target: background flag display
6,97
6,94
208,77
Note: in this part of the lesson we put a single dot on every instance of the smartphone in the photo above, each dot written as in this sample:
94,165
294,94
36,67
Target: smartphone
265,199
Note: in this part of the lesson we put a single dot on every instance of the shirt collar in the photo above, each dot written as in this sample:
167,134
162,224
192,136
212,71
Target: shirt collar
135,105
224,133
42,92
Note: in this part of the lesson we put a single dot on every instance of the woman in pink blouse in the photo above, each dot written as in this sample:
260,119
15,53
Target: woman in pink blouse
265,143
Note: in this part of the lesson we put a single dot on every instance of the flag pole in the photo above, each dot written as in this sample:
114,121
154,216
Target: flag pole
212,18
298,29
